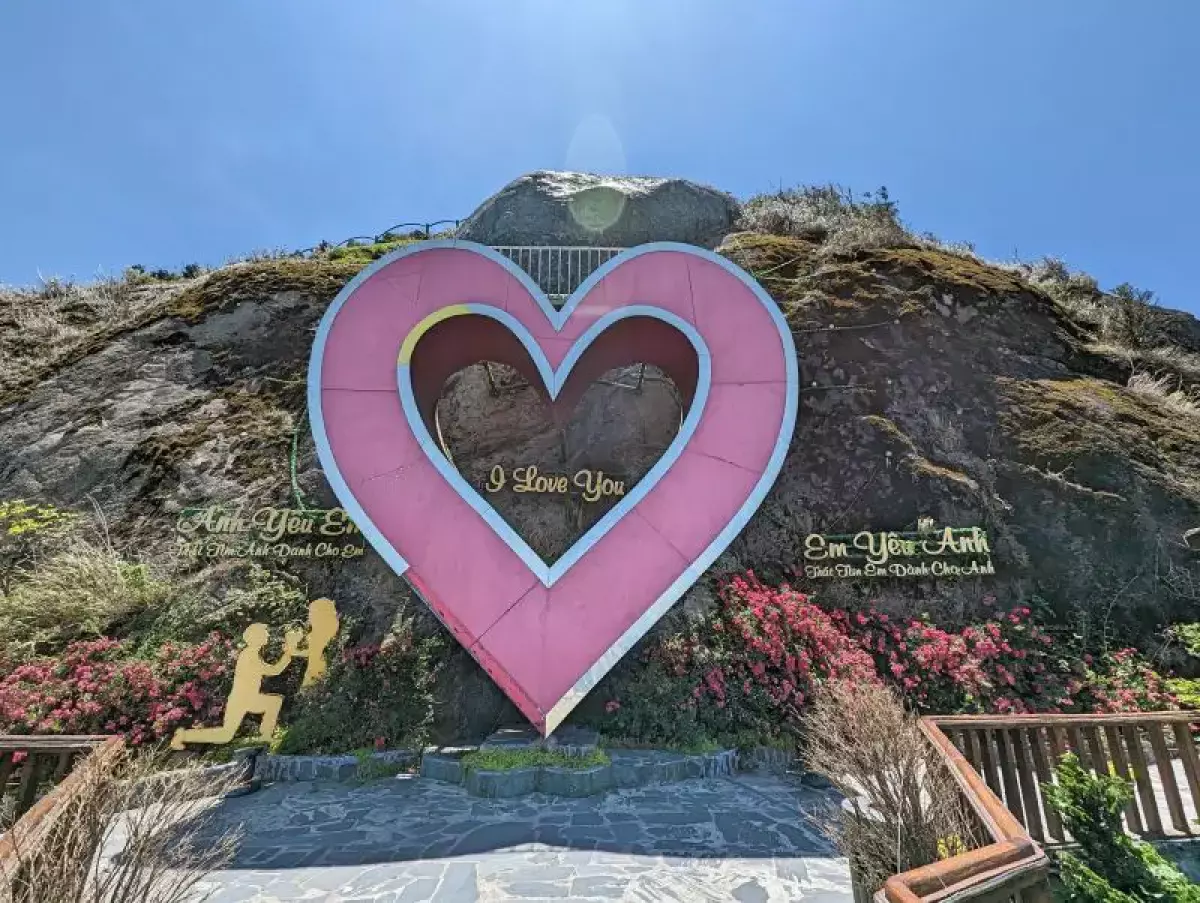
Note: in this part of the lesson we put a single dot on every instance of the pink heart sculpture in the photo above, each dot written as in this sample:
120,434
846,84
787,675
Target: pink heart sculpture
547,633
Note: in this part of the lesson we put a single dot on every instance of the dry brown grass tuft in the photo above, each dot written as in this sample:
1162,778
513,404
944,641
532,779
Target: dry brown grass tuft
831,215
43,328
1168,390
904,809
128,832
1159,358
79,592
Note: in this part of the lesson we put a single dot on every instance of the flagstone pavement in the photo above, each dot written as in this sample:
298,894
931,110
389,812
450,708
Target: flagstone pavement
406,839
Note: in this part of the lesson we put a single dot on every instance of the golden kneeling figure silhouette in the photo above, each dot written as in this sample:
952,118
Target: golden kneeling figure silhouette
246,696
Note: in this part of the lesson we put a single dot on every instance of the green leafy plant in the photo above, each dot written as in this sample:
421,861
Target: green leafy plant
508,759
1136,320
1110,866
949,847
27,529
370,768
649,705
262,596
79,593
1186,690
1188,636
373,695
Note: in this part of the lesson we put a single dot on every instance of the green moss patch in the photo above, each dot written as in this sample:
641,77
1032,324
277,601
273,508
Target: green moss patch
364,254
509,759
930,265
256,431
252,281
814,287
1078,424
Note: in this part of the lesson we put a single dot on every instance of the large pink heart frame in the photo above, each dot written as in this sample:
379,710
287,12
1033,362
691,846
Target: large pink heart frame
547,633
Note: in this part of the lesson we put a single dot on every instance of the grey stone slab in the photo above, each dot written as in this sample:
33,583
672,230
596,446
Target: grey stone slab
438,767
536,890
600,886
750,892
494,836
501,784
707,839
420,891
687,817
574,781
459,885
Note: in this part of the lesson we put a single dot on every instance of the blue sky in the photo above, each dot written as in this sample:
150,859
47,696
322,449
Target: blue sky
168,133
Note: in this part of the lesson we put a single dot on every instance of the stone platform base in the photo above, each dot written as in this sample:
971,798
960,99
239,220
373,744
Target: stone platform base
628,768
569,740
270,768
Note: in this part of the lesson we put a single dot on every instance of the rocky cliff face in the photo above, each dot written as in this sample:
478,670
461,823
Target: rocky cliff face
934,384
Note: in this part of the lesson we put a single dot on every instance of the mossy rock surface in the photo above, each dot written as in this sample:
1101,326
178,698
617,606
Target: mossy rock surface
317,277
959,392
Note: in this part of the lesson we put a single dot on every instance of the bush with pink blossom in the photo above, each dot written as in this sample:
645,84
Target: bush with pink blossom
97,687
747,672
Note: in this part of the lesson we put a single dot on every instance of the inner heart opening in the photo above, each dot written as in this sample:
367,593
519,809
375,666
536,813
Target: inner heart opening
551,468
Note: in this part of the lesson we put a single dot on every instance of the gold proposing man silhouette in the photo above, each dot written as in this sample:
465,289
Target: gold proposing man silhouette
246,696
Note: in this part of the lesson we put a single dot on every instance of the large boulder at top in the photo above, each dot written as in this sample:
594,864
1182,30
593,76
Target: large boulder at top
575,208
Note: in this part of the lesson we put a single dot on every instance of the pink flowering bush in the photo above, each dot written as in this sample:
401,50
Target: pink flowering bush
95,687
1005,665
750,669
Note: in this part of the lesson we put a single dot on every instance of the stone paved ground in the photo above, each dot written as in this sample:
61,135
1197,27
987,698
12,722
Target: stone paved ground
406,839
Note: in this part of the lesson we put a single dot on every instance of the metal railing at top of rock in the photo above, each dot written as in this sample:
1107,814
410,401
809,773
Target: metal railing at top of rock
400,230
558,270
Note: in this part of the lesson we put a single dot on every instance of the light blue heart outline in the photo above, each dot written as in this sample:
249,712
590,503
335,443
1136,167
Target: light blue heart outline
554,380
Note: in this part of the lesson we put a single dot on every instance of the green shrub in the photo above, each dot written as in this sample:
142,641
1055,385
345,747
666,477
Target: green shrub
82,592
652,707
1110,865
26,531
372,696
1186,690
1188,636
508,759
1082,885
276,599
1135,319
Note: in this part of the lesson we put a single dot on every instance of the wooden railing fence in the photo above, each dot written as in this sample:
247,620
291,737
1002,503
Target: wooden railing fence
1001,763
1009,868
1153,750
38,778
31,765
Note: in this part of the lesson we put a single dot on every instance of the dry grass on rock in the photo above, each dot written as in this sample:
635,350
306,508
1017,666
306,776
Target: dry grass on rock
258,279
42,330
126,833
903,808
78,593
1167,391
